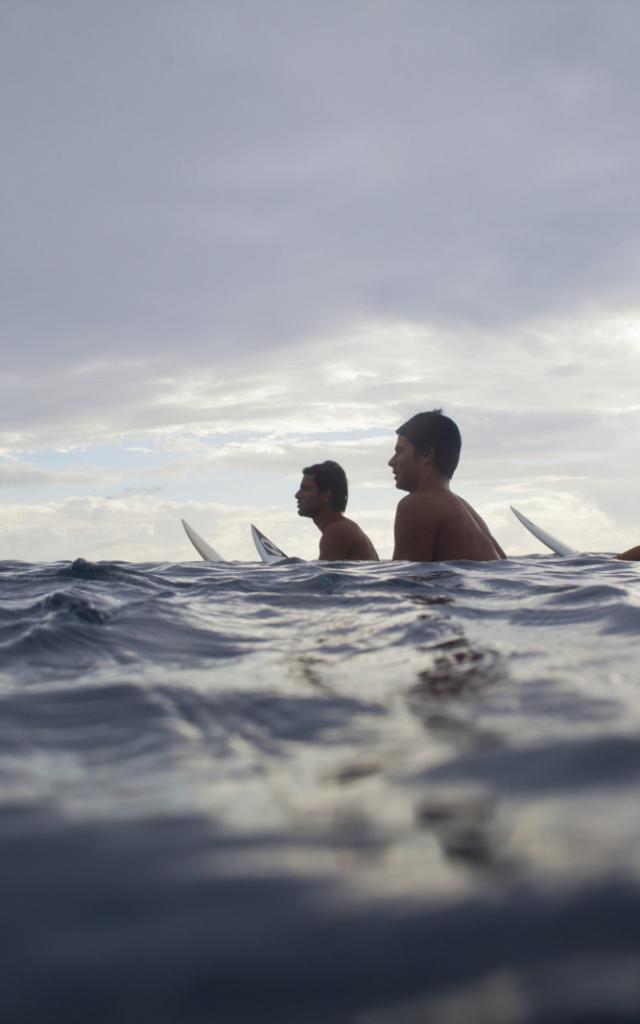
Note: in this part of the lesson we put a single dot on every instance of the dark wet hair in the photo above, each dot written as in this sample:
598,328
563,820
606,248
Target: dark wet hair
434,430
329,476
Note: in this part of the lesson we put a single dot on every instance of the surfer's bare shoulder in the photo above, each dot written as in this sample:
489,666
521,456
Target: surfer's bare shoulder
632,555
343,540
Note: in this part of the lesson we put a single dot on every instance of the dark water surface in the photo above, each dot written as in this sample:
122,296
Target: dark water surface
310,792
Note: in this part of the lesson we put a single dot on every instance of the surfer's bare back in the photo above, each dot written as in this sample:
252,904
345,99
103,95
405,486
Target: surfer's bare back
322,496
432,523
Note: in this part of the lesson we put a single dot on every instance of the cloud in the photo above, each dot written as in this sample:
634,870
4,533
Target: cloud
20,474
139,528
371,375
252,178
144,527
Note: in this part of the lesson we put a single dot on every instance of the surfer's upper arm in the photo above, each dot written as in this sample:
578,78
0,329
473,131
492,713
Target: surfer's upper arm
414,531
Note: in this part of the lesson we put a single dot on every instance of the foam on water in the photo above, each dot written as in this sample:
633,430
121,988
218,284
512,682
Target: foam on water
313,792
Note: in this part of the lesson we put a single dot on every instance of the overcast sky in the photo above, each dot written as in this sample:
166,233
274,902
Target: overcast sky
239,237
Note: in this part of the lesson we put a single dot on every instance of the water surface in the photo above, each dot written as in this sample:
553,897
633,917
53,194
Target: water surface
320,792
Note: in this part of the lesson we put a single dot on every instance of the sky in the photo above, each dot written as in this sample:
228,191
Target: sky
242,236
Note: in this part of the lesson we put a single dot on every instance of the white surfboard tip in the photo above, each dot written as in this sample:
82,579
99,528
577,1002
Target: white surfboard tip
268,551
557,546
208,553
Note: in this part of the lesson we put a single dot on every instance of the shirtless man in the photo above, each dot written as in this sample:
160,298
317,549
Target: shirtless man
432,523
322,496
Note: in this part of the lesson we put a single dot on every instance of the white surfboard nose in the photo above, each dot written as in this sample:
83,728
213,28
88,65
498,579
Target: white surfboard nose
557,546
268,551
204,550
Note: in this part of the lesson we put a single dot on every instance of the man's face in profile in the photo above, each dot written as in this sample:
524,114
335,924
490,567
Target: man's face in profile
308,497
404,463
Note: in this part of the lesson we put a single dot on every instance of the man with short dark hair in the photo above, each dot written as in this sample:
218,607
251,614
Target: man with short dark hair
432,523
322,496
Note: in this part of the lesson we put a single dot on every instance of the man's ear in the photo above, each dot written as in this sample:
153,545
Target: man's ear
325,497
429,456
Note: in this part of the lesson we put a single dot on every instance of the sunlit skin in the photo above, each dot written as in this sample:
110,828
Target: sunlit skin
342,539
432,523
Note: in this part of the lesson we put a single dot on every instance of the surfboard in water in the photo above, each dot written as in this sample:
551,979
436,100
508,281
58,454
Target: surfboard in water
557,546
268,551
204,550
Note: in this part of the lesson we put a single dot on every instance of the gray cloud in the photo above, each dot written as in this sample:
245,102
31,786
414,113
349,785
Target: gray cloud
188,178
20,474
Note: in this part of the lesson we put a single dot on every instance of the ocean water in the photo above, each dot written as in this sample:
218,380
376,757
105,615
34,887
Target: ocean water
379,794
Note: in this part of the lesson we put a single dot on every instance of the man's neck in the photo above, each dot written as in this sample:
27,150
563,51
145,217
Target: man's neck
431,481
325,517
